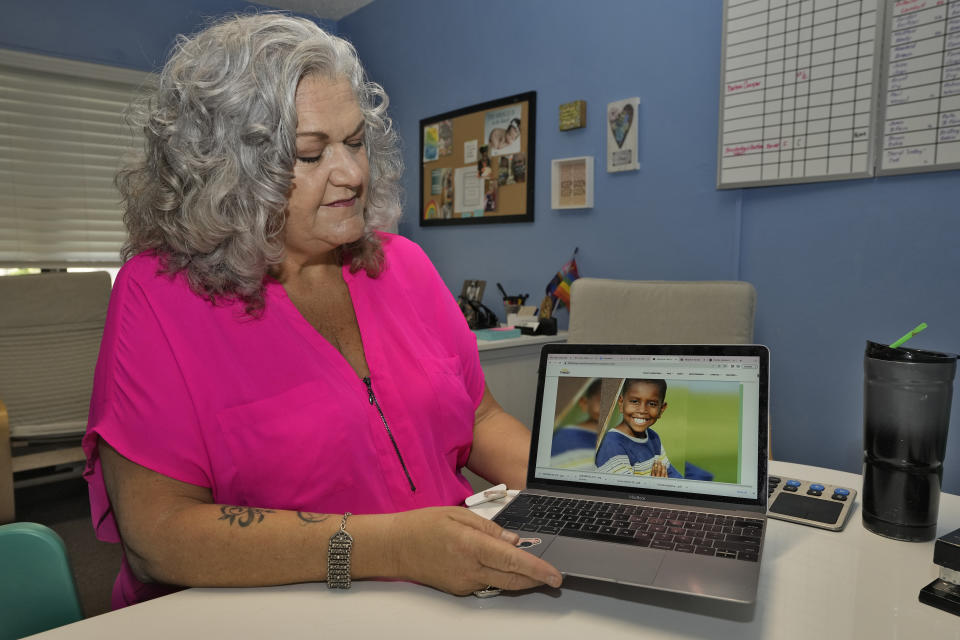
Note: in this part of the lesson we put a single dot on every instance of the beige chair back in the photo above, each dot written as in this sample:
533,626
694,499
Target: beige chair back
661,312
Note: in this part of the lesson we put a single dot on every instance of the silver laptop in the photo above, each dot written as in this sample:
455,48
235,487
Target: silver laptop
648,467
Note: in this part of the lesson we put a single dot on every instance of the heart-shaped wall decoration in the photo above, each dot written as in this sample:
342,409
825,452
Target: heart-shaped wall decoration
620,122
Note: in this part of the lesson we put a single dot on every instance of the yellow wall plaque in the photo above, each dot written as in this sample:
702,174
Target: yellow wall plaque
573,115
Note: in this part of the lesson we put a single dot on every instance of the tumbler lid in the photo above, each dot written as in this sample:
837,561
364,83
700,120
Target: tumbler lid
902,354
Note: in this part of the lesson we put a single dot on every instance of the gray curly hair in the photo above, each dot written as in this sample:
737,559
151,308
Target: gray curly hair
209,194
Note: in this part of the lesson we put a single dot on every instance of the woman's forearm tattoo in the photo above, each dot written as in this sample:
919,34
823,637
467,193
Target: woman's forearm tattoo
308,517
243,516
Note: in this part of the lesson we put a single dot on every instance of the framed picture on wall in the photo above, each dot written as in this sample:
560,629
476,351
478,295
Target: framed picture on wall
571,183
622,137
477,163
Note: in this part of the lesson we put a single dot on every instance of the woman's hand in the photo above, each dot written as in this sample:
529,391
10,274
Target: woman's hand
457,551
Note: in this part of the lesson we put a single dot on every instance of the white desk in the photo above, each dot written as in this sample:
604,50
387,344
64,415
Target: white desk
510,368
814,584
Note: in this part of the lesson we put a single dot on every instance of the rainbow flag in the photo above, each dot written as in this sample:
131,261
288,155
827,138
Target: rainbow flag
559,287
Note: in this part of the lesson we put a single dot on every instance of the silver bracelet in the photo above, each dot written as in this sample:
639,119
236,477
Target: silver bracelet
338,557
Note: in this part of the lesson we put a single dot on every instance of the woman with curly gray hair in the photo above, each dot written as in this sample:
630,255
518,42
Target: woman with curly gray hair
272,361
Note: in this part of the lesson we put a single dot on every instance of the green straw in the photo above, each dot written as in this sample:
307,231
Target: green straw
917,329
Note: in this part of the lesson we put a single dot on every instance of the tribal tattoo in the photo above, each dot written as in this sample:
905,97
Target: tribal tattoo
243,516
309,517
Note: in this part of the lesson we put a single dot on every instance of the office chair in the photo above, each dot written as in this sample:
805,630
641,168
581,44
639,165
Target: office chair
661,312
50,330
37,591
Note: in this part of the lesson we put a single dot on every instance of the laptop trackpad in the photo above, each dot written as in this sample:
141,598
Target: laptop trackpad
604,561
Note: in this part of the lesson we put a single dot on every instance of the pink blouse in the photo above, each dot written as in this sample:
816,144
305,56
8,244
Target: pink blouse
266,413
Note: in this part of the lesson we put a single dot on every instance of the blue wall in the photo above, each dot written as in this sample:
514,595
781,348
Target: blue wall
137,35
833,263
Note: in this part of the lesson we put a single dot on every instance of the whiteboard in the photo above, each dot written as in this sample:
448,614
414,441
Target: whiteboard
798,99
921,87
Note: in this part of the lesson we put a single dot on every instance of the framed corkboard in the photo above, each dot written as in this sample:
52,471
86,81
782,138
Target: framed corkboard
477,163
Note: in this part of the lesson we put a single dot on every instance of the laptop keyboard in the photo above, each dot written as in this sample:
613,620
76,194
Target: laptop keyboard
706,534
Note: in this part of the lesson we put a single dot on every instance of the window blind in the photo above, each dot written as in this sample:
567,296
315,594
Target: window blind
62,139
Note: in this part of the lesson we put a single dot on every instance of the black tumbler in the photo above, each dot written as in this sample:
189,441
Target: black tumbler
906,414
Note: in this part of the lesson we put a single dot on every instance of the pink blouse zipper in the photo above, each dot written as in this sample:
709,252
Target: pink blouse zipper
373,401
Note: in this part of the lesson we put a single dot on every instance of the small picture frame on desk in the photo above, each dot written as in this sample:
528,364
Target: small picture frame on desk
571,183
473,290
477,314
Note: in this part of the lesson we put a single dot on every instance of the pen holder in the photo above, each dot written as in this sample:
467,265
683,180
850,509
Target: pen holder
512,304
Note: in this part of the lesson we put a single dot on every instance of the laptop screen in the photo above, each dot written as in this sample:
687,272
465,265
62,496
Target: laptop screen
664,420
